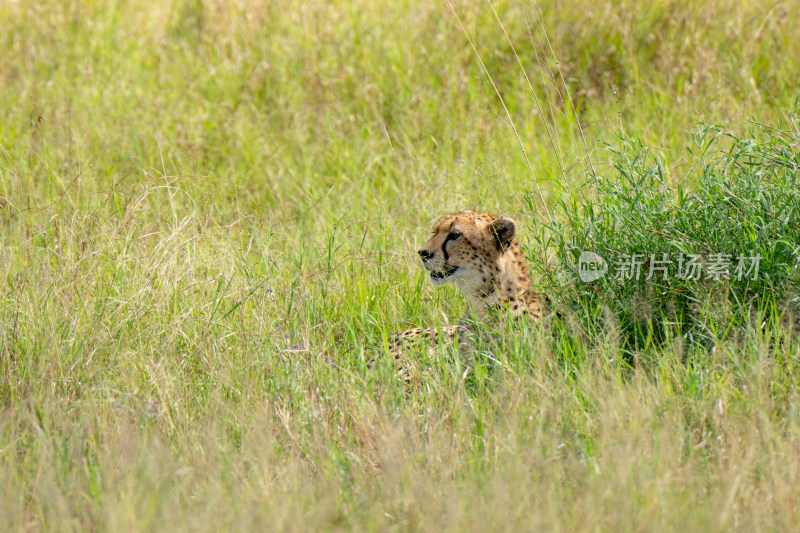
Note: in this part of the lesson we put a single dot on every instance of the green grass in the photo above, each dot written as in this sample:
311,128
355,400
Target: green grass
208,217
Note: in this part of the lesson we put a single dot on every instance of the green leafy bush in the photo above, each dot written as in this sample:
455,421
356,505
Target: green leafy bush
732,238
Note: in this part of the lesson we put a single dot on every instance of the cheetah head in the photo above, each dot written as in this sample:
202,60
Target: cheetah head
466,249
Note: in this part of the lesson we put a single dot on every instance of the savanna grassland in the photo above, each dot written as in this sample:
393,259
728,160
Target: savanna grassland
208,217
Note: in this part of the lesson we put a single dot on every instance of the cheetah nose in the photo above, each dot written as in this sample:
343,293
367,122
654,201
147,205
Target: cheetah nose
425,255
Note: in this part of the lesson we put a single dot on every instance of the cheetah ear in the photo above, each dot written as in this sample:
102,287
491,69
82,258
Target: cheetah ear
503,230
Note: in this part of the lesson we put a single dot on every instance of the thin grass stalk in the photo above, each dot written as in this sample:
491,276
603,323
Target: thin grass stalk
505,108
530,86
569,97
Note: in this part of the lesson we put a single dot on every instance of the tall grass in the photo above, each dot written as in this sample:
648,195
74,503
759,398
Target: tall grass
208,217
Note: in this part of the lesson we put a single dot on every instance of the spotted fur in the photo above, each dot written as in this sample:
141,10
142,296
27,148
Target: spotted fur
480,254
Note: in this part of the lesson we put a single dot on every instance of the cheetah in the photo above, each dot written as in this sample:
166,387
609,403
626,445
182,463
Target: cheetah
478,253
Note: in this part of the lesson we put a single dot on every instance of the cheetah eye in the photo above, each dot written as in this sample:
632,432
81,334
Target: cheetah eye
455,234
